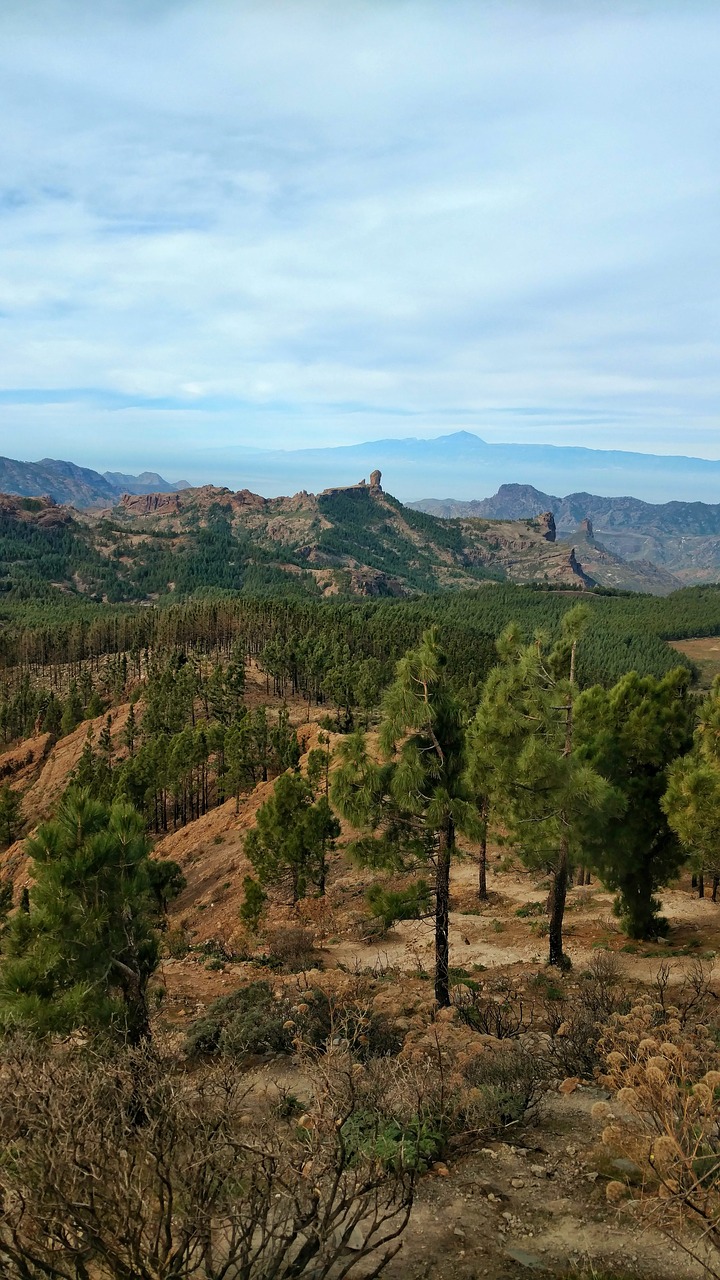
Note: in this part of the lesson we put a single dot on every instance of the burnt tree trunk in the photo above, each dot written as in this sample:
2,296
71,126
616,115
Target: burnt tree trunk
446,843
482,867
556,909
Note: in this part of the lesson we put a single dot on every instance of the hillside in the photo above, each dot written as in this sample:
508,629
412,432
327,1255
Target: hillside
344,541
75,486
682,538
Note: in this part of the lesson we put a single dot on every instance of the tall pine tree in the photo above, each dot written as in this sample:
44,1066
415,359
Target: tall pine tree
631,733
523,751
413,802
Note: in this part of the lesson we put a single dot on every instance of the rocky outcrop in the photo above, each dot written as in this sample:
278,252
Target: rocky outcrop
146,504
546,525
246,498
362,486
374,583
42,510
578,571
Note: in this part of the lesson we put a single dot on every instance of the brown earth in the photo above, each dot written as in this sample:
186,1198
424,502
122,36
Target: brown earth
705,651
532,1203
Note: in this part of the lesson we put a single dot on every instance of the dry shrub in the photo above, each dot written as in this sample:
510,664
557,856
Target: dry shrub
663,1065
293,949
258,1019
576,1022
493,1007
133,1167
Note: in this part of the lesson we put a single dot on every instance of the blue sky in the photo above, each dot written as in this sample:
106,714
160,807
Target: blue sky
289,223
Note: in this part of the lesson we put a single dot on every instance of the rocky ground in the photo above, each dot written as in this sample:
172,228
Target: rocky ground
531,1202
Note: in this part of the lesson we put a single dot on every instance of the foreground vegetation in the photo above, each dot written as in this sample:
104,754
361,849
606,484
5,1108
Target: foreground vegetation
433,736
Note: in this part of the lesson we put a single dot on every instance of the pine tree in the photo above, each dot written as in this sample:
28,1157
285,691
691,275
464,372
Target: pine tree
130,731
84,953
413,802
72,711
692,800
253,904
10,815
291,837
631,734
544,794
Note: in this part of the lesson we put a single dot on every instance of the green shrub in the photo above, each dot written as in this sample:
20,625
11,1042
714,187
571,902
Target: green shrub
252,1020
391,905
412,1146
509,1085
531,909
248,1021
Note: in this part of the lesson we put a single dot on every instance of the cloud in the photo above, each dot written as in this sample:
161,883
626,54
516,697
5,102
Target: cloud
300,223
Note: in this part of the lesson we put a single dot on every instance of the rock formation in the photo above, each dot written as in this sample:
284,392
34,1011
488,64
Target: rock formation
546,525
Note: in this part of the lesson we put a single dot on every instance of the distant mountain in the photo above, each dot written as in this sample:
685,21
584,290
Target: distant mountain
463,463
680,537
75,486
146,482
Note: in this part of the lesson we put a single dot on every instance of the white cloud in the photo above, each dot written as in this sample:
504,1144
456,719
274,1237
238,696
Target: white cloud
422,209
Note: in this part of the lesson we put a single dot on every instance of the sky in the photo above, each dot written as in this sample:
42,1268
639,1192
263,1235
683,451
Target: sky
294,223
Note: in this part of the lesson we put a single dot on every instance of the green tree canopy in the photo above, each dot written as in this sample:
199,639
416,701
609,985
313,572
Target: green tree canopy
631,734
524,760
291,838
692,800
84,953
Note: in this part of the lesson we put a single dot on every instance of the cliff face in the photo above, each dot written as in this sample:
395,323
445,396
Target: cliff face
673,543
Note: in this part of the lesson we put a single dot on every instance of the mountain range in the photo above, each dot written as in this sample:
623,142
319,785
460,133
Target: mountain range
347,540
75,486
682,538
458,464
462,463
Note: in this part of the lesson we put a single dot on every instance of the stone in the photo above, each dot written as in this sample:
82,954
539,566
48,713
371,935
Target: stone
569,1085
529,1260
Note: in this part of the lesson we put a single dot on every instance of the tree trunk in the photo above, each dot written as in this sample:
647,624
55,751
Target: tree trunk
701,885
442,912
482,872
561,874
556,909
716,883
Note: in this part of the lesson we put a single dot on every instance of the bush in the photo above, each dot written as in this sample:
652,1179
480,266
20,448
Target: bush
252,1021
390,905
576,1022
493,1007
402,1146
531,909
507,1086
248,1021
292,949
203,1186
662,1063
